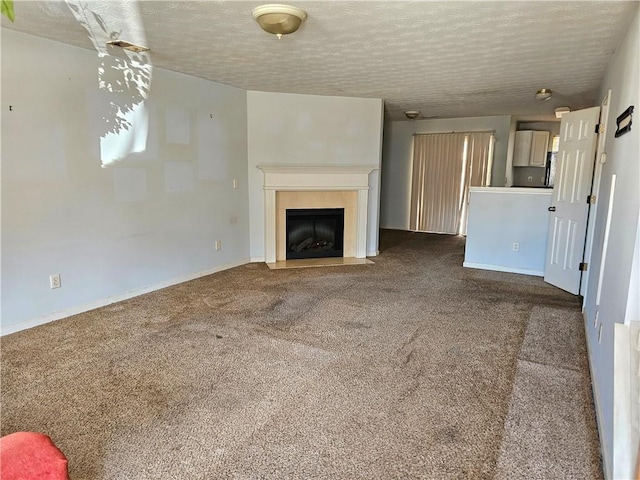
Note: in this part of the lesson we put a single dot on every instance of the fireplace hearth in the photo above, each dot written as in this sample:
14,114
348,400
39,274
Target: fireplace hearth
314,232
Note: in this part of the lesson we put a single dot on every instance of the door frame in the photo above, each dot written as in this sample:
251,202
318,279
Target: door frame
599,160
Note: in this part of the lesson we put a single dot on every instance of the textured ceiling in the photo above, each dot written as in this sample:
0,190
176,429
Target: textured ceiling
446,59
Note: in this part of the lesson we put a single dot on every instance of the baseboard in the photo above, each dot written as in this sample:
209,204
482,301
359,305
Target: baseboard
26,324
500,268
606,467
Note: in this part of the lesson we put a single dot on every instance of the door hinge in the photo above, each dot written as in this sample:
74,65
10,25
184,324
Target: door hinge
583,267
591,199
597,128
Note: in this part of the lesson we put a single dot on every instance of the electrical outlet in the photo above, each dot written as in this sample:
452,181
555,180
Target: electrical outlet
235,183
218,245
234,220
54,280
516,246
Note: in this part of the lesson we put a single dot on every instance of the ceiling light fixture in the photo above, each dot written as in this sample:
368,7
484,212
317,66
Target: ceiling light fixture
543,94
128,46
412,114
279,19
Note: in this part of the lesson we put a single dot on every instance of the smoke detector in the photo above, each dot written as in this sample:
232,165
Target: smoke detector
412,114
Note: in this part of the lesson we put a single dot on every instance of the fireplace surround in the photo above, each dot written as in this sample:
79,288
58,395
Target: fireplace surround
316,186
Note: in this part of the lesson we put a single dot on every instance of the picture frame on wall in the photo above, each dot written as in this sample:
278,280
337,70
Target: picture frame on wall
623,122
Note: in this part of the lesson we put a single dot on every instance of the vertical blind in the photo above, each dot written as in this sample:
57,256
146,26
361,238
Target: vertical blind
445,165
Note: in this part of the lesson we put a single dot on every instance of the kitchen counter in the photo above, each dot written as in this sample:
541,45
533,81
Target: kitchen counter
508,189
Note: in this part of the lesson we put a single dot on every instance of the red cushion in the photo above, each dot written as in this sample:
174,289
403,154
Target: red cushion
30,456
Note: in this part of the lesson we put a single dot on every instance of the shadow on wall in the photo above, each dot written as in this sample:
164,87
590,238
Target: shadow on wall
124,79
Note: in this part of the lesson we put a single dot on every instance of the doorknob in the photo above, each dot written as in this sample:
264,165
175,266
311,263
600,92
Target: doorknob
552,209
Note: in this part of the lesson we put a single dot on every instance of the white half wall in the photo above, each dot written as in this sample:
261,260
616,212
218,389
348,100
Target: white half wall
292,129
146,221
500,217
618,201
397,159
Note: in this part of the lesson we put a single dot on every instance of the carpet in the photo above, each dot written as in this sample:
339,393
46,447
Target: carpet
551,408
402,369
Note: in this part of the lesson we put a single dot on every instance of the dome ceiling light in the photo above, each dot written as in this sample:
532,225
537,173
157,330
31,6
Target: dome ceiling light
279,19
543,94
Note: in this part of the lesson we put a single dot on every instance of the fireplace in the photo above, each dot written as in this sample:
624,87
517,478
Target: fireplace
288,187
314,232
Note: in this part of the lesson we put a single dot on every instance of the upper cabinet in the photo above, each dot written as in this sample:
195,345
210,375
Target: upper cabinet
530,148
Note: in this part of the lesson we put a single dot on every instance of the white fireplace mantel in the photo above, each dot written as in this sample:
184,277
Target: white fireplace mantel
315,178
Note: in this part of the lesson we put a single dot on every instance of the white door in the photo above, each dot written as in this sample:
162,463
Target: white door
569,208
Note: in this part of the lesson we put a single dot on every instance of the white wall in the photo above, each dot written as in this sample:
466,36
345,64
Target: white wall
511,143
148,220
286,128
498,217
397,159
622,162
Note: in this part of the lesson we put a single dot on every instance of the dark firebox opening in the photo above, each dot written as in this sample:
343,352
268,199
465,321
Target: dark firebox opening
315,233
